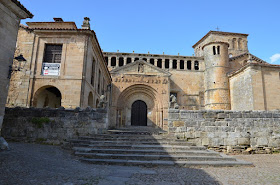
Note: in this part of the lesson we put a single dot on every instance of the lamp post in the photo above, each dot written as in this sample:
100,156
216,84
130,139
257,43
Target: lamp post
13,68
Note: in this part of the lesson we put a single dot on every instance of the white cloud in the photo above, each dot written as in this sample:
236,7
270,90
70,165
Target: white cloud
274,58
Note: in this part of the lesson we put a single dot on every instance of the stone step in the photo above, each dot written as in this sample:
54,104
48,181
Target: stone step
136,132
153,157
86,142
129,139
149,152
147,147
111,136
143,147
166,163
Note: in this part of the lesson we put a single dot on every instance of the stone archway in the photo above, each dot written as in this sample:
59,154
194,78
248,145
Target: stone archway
132,94
47,96
139,113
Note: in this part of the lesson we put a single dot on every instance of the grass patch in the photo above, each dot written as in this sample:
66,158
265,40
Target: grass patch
40,121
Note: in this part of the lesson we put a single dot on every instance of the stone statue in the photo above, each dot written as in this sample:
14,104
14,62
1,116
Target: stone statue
102,103
86,24
141,68
173,102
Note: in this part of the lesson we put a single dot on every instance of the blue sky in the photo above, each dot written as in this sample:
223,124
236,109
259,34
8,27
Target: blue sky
169,26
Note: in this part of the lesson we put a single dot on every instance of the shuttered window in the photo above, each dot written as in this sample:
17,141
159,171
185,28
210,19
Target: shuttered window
53,53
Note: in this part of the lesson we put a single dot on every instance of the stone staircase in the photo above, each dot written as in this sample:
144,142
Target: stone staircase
147,147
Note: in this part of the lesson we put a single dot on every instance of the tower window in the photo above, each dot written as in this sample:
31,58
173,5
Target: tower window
218,50
214,50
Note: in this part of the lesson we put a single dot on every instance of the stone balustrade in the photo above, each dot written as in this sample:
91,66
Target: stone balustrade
162,61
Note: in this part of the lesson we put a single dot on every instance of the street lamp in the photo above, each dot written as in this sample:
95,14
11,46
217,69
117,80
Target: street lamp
13,68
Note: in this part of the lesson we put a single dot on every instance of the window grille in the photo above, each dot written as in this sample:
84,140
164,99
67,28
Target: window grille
53,53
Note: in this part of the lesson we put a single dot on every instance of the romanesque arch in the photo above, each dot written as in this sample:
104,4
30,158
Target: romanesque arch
139,92
47,96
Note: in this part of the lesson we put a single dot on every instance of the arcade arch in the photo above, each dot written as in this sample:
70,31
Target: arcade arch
47,96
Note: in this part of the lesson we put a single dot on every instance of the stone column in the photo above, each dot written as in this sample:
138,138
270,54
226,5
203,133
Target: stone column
132,60
109,62
124,61
185,64
148,60
193,65
170,63
155,61
162,63
178,64
117,61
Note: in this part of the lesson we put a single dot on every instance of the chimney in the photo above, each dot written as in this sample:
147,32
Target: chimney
58,19
86,24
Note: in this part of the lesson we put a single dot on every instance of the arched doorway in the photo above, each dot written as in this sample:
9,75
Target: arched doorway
139,113
48,96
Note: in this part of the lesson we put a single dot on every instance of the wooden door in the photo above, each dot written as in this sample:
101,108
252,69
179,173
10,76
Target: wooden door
139,113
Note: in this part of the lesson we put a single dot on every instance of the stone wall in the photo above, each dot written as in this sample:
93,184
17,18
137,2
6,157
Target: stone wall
9,23
227,129
52,126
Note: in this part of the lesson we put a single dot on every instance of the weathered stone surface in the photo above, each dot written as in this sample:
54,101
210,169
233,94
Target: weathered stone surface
230,128
48,126
178,123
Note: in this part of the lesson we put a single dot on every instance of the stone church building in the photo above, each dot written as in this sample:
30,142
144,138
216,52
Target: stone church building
66,67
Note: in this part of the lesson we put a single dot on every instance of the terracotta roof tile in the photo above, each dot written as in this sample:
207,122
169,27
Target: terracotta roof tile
217,32
23,8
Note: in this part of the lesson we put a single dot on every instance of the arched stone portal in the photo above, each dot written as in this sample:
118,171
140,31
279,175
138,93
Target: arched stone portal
139,93
47,96
139,113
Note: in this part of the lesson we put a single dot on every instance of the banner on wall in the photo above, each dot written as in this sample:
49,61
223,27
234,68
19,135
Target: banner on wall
51,69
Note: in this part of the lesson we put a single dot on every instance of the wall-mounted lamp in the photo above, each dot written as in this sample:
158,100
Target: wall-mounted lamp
18,67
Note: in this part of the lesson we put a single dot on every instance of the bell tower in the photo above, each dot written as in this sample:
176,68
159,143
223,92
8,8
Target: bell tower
216,82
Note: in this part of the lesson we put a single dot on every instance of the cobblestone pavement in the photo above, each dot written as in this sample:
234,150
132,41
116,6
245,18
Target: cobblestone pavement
42,164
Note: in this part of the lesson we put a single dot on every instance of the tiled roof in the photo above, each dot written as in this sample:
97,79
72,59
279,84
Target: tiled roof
253,64
23,8
247,53
217,32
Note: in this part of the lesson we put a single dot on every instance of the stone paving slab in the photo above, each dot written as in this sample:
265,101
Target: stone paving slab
42,164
